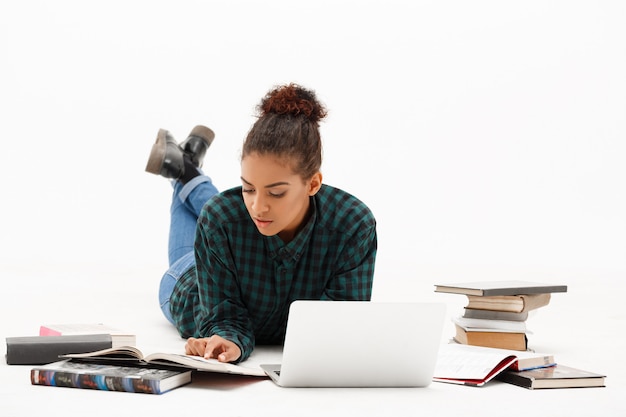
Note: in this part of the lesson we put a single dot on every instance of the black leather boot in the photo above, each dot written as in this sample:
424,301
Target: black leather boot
166,157
197,144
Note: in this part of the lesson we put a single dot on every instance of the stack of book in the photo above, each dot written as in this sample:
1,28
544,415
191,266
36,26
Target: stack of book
496,313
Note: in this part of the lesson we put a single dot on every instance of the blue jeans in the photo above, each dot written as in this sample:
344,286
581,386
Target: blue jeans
187,201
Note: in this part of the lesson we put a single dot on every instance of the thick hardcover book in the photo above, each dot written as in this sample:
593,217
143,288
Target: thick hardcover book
109,377
37,350
118,337
132,356
487,288
559,376
510,303
491,338
473,365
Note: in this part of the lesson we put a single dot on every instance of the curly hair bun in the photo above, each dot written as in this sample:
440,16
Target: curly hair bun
295,100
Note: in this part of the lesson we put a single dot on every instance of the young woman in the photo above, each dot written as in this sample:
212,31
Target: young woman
239,258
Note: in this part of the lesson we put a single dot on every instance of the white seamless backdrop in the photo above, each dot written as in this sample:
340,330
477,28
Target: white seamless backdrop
483,133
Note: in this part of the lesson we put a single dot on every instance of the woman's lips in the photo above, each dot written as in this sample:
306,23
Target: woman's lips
261,223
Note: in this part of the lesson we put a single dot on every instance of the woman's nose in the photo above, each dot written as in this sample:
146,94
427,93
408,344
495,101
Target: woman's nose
259,205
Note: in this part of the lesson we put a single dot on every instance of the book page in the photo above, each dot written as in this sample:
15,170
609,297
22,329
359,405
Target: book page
200,363
115,352
457,361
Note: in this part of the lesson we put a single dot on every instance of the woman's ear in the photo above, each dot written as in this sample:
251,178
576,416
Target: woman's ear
315,183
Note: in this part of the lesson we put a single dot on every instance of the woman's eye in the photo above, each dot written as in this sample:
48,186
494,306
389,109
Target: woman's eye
270,193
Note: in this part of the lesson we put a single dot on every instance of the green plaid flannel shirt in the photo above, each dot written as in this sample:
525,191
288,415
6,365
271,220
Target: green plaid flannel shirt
244,282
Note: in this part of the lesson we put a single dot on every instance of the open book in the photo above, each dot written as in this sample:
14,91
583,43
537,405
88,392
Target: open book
130,355
476,365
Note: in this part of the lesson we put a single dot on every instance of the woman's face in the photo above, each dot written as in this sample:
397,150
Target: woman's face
277,199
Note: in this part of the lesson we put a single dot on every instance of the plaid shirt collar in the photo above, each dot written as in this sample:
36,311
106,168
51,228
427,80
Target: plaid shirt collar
279,251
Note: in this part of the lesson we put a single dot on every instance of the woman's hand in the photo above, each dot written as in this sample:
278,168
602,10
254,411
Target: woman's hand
215,347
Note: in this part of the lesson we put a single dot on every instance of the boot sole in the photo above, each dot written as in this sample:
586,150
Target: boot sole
194,148
157,154
204,133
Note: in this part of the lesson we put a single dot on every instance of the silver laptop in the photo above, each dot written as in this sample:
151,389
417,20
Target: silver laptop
359,344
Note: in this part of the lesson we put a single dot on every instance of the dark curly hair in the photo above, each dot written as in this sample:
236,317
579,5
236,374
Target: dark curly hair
288,127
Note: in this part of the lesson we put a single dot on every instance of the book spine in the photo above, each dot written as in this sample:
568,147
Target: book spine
37,350
55,378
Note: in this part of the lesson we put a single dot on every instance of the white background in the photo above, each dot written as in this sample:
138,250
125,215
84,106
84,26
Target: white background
486,136
482,133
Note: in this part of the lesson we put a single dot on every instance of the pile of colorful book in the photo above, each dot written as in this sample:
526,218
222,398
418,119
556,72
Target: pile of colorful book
496,312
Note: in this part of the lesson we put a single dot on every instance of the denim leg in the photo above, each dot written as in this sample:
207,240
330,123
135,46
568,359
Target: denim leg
169,280
187,202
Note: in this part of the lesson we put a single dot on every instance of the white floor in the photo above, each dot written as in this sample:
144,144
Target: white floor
582,328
